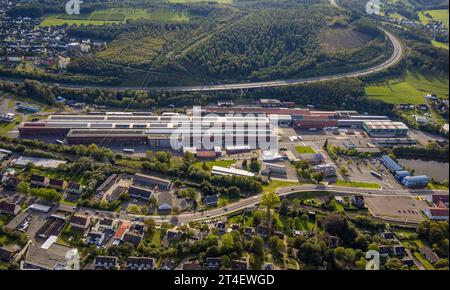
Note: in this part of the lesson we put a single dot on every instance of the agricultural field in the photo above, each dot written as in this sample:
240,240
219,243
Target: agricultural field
411,89
114,16
437,15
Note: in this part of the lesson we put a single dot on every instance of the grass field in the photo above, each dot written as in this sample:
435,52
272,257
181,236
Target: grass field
358,184
6,127
222,163
305,150
276,184
114,15
439,44
411,89
437,15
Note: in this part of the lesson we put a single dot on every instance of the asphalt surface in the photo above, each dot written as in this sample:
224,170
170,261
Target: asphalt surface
395,57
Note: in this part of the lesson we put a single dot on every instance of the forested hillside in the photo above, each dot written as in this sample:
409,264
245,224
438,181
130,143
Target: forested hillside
215,42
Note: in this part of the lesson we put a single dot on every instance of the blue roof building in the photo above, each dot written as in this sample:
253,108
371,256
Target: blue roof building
390,164
399,175
416,181
211,200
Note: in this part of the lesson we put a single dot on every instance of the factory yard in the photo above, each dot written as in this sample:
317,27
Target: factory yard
400,208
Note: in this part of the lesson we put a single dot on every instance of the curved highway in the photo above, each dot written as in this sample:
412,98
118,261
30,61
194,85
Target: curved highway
393,59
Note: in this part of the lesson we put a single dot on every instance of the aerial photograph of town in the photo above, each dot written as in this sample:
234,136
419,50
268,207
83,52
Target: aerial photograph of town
224,135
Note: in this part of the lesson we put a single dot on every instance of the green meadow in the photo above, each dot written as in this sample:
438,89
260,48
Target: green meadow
114,15
437,15
412,88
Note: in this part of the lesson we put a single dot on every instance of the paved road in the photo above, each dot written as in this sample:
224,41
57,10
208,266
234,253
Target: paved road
395,57
251,201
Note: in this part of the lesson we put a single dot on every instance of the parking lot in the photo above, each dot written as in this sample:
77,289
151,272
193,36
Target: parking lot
402,208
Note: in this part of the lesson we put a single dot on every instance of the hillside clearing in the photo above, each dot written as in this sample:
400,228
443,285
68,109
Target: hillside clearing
411,89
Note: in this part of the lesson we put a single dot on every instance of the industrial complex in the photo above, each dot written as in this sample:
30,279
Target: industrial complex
215,126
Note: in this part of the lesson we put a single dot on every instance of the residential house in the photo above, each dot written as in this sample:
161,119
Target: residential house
57,184
249,231
173,235
239,265
211,200
263,231
383,250
222,227
133,237
9,208
107,223
95,238
164,203
152,181
75,188
140,193
139,263
80,222
212,263
388,235
191,266
106,262
429,254
398,250
168,264
38,180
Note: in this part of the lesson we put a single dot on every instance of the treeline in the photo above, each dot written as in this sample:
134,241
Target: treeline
269,43
432,151
335,94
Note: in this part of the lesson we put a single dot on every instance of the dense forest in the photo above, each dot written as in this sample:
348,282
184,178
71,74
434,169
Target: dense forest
245,40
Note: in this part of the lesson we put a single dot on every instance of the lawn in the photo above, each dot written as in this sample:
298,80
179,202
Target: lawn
305,150
114,16
423,261
222,163
437,15
439,44
276,184
358,184
411,88
6,127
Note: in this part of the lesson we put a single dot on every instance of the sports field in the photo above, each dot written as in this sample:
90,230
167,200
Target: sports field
411,89
114,15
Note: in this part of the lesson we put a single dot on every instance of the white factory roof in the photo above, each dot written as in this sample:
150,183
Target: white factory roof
271,156
385,125
38,161
218,170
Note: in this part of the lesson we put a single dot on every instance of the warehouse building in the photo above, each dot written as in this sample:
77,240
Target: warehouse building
219,170
390,164
416,181
385,128
175,131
